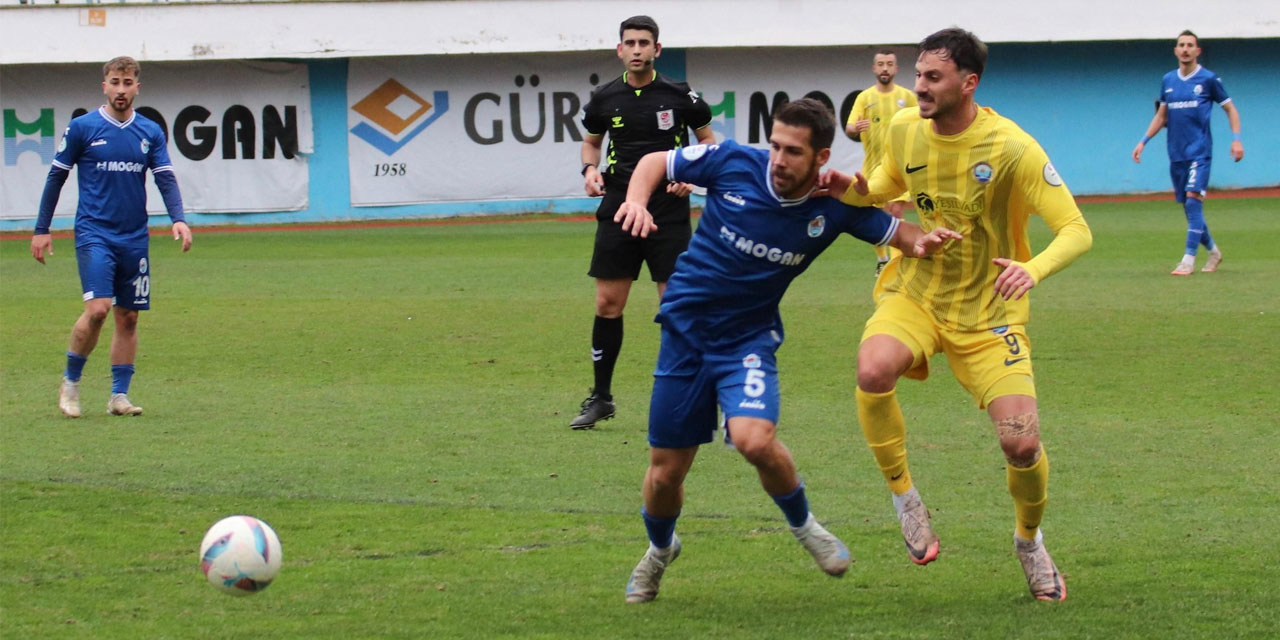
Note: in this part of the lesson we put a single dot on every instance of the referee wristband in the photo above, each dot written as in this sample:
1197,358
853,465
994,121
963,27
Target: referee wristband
1146,139
1236,137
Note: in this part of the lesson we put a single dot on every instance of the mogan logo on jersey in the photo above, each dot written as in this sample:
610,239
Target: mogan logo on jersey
394,115
760,249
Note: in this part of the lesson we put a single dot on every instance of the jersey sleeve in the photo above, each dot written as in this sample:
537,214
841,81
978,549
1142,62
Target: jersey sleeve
696,113
699,164
593,119
1042,191
871,225
885,182
1218,92
71,147
158,154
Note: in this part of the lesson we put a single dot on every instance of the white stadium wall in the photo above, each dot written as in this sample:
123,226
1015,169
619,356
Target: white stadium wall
370,113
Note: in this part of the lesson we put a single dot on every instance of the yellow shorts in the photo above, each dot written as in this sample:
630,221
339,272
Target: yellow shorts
989,364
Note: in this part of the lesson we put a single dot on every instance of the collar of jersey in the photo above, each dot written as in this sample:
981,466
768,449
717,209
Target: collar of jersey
1191,75
768,181
102,111
654,77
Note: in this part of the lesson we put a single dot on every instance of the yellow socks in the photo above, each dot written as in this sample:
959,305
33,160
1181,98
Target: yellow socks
1030,490
886,434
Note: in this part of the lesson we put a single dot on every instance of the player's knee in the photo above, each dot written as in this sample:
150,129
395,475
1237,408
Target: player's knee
1021,453
127,321
756,444
96,314
665,477
876,376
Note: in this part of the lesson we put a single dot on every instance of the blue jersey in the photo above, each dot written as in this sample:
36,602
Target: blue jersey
1190,103
749,245
112,159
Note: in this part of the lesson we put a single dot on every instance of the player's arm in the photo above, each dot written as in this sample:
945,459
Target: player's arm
167,183
590,155
1157,123
633,213
704,135
1038,187
855,126
860,191
68,153
1233,117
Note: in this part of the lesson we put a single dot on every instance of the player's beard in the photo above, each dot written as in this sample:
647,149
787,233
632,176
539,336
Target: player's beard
885,79
791,185
121,104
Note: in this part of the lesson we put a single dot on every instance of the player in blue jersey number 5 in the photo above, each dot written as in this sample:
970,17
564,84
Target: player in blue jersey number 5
763,224
112,148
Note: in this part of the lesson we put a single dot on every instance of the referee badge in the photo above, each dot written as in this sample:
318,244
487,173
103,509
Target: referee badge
666,119
817,226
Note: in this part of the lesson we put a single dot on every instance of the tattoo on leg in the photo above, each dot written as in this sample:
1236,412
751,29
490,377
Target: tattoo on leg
1026,425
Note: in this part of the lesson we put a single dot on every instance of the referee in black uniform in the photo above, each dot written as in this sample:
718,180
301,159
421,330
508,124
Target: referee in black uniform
642,111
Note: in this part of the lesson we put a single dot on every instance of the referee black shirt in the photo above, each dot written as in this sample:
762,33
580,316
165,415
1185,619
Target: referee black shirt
640,121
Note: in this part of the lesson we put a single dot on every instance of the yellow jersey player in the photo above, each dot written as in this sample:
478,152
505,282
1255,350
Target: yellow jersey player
972,170
869,122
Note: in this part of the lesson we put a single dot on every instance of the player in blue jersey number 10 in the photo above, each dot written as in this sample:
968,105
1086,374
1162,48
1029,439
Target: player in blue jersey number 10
112,149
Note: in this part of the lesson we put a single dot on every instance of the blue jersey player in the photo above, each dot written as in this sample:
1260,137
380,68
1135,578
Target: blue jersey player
112,149
1187,96
762,226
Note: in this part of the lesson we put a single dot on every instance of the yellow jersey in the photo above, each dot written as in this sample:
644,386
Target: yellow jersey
984,183
879,108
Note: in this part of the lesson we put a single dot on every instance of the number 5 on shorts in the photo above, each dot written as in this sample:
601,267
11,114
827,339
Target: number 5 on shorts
754,386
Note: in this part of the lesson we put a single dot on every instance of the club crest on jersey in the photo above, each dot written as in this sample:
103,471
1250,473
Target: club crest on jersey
982,172
817,226
1051,175
752,361
146,145
1197,89
142,265
901,103
666,119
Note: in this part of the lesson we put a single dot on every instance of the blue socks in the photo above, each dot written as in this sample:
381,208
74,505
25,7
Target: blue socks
121,375
1197,230
795,506
660,529
75,366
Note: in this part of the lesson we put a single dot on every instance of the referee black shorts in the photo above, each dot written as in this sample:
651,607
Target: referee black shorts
617,255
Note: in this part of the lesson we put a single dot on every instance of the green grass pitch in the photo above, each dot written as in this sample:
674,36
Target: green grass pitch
395,401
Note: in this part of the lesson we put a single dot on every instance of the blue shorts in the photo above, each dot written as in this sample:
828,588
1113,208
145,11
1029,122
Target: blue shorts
123,273
688,383
1189,175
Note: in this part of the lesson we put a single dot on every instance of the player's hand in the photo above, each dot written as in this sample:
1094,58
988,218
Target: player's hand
860,186
1014,282
593,184
1237,150
833,183
1137,152
41,244
182,232
635,218
932,241
896,208
861,125
679,189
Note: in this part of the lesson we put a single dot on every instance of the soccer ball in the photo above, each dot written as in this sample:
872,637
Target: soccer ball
240,555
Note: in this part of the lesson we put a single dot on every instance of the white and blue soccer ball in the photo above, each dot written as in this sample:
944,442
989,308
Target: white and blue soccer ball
240,555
